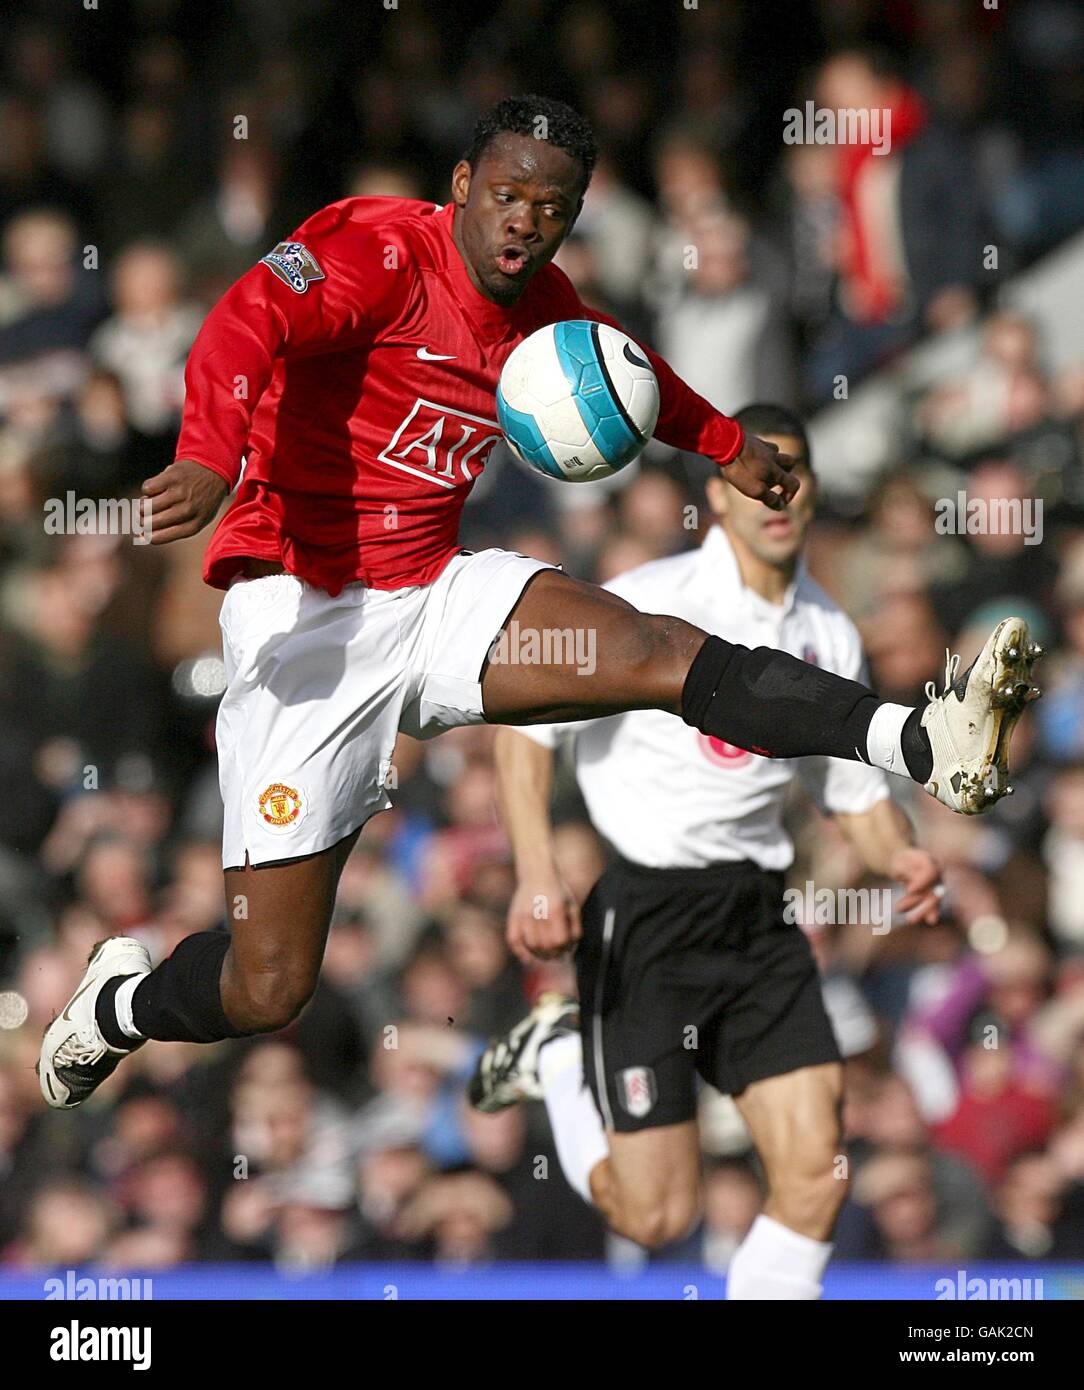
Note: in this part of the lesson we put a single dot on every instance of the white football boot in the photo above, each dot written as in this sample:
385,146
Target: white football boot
970,724
75,1058
507,1071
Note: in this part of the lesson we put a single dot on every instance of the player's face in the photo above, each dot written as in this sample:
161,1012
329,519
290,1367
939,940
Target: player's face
513,210
775,538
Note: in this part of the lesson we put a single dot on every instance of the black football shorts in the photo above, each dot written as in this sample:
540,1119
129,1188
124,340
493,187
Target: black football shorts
692,972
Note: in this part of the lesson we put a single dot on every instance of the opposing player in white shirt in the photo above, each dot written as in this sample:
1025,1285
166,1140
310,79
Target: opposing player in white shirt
686,964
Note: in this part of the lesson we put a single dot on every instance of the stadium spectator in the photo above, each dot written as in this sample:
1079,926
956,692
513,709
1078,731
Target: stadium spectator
49,301
145,342
898,189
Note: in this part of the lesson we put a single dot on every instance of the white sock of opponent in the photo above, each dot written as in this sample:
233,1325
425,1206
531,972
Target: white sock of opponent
577,1126
774,1262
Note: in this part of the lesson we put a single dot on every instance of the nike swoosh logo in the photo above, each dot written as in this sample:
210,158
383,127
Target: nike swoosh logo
427,356
67,1016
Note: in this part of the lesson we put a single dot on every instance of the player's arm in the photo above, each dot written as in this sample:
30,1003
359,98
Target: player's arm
688,422
543,918
884,838
334,292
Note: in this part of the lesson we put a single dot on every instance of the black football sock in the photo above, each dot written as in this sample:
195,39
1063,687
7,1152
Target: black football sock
180,1000
769,702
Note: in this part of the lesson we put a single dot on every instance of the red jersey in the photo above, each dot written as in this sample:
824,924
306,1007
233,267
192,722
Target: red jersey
355,370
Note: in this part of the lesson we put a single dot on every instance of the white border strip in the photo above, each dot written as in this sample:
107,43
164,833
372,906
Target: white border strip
596,1024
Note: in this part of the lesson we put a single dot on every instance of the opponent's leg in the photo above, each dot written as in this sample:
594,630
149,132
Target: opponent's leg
646,1184
762,699
649,1187
794,1120
255,978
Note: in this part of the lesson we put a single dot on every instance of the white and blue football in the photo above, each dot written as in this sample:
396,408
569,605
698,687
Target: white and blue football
578,400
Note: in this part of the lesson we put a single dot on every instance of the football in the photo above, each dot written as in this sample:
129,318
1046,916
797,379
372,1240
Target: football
577,400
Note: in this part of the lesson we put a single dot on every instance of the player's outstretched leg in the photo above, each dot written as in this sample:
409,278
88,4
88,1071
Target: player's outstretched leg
970,724
765,700
252,979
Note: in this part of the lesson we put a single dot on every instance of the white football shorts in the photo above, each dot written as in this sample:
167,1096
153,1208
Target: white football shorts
318,687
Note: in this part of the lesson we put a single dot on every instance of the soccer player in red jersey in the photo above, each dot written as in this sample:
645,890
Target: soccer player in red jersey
353,370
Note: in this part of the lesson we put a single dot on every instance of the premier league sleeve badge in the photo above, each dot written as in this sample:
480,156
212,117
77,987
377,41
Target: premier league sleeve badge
294,264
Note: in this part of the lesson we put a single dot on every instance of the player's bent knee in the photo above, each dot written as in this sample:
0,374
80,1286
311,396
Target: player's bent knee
659,1224
656,652
265,1001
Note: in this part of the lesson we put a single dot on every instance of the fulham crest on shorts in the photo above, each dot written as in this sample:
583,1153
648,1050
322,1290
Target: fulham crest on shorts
636,1086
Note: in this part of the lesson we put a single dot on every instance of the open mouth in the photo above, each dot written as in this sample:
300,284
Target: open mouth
512,259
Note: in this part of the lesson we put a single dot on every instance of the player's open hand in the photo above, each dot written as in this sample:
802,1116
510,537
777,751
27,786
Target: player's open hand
543,918
184,497
760,471
920,875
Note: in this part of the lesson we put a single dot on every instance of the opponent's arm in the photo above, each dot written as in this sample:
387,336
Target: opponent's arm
543,918
885,840
687,421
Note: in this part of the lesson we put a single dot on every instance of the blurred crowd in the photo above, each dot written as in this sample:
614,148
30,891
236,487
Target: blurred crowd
151,154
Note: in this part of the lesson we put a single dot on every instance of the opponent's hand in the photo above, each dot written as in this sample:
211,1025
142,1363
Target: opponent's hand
920,874
760,471
543,918
184,497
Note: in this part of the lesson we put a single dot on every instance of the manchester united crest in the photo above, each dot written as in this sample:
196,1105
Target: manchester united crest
281,806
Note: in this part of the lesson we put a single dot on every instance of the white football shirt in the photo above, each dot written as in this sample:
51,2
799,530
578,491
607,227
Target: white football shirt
668,796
